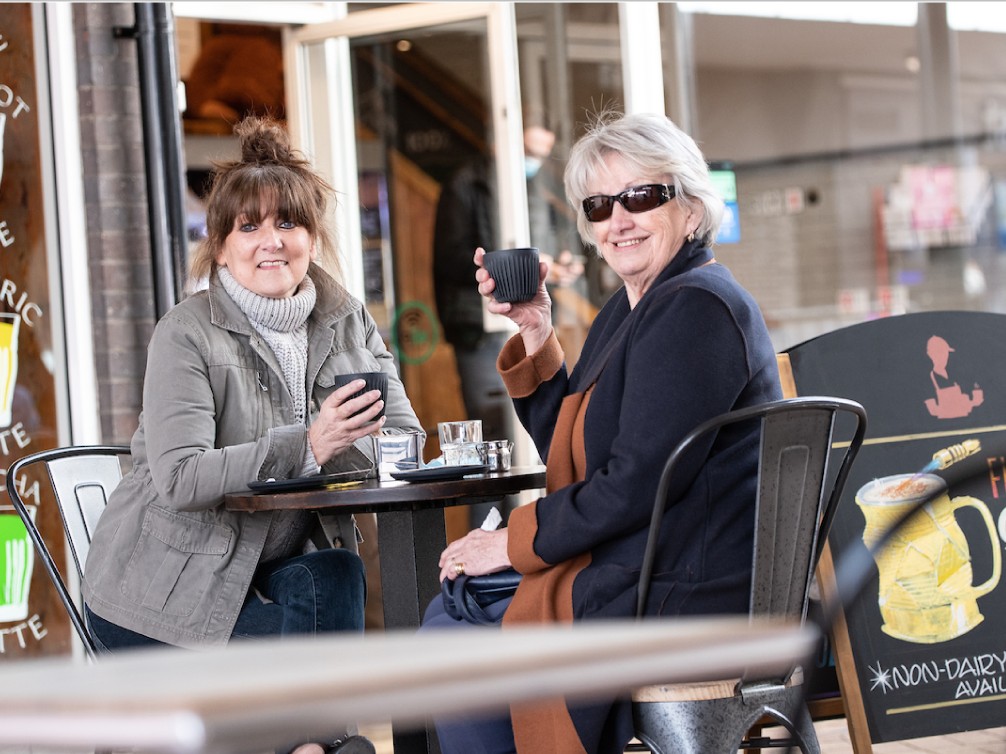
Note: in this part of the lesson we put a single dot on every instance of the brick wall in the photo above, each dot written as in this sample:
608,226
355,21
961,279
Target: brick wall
796,263
117,244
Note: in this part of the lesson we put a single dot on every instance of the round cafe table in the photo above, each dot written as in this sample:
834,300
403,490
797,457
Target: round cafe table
411,536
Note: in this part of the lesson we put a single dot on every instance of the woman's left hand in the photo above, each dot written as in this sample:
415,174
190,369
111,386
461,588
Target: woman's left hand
338,425
476,553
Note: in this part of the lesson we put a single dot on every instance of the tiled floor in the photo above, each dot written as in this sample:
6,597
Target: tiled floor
834,738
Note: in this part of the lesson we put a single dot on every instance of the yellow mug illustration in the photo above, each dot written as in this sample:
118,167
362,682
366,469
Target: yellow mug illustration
926,593
10,323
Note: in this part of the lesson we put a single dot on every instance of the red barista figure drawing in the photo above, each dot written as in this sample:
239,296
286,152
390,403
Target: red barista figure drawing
950,402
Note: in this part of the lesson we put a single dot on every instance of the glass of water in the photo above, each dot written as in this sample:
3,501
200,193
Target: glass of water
459,442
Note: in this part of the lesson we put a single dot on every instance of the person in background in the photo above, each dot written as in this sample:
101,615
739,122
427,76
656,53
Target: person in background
553,230
679,343
466,219
239,388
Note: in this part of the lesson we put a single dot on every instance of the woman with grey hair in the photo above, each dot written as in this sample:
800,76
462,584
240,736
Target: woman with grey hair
679,343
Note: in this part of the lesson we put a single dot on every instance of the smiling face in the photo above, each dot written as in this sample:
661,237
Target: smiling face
269,257
638,246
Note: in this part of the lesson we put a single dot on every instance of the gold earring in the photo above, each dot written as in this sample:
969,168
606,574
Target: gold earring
691,236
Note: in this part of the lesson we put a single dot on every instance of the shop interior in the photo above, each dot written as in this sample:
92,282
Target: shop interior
862,159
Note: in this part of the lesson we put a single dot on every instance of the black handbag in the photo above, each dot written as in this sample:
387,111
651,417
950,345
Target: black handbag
466,597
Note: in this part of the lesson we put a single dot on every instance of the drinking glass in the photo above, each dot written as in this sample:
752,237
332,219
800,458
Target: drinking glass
397,452
459,442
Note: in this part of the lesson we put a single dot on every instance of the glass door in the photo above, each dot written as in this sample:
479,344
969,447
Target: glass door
393,103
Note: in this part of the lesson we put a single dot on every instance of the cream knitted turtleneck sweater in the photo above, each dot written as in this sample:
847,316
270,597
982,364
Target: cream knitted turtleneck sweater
282,323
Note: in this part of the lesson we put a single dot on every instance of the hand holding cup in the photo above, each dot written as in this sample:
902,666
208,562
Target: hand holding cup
372,381
349,413
532,316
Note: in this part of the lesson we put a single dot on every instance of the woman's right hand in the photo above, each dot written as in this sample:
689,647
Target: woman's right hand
335,428
533,318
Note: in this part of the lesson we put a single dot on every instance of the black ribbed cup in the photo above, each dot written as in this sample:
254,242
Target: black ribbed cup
374,380
515,272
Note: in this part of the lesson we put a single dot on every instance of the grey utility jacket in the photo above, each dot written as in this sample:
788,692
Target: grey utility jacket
167,560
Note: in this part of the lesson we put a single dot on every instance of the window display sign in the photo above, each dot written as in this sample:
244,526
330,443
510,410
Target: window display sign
32,620
933,206
725,182
924,652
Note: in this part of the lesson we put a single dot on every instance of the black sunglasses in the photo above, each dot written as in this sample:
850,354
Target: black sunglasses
635,199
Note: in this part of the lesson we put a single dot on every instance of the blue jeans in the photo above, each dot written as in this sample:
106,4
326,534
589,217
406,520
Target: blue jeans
479,735
319,592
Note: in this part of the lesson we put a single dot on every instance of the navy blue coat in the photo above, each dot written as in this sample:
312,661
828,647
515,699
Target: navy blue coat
695,346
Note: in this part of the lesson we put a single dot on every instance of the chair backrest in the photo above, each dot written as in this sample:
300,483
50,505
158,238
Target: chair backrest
795,504
82,478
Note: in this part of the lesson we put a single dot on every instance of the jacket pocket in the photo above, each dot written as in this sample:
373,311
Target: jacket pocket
246,399
174,561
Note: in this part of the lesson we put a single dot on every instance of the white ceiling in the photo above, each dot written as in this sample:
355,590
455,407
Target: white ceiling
721,41
779,44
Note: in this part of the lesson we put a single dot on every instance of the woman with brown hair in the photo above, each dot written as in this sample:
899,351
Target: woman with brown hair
239,387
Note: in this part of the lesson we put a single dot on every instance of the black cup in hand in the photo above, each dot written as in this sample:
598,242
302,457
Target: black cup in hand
515,272
374,380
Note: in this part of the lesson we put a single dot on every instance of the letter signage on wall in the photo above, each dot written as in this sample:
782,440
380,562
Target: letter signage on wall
32,620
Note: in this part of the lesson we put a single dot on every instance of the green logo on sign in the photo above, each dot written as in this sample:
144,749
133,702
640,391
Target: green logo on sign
415,333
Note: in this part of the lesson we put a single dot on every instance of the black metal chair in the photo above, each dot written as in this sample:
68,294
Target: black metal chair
82,478
795,507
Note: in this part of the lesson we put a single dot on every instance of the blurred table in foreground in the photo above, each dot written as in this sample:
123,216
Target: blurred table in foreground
411,534
252,696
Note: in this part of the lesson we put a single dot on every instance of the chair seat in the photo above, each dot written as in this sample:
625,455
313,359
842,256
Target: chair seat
82,478
717,717
792,514
698,692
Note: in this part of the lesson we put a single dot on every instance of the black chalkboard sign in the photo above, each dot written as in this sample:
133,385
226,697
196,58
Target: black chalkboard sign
928,636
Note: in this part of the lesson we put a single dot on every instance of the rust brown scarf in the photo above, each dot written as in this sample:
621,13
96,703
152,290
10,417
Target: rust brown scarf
546,596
